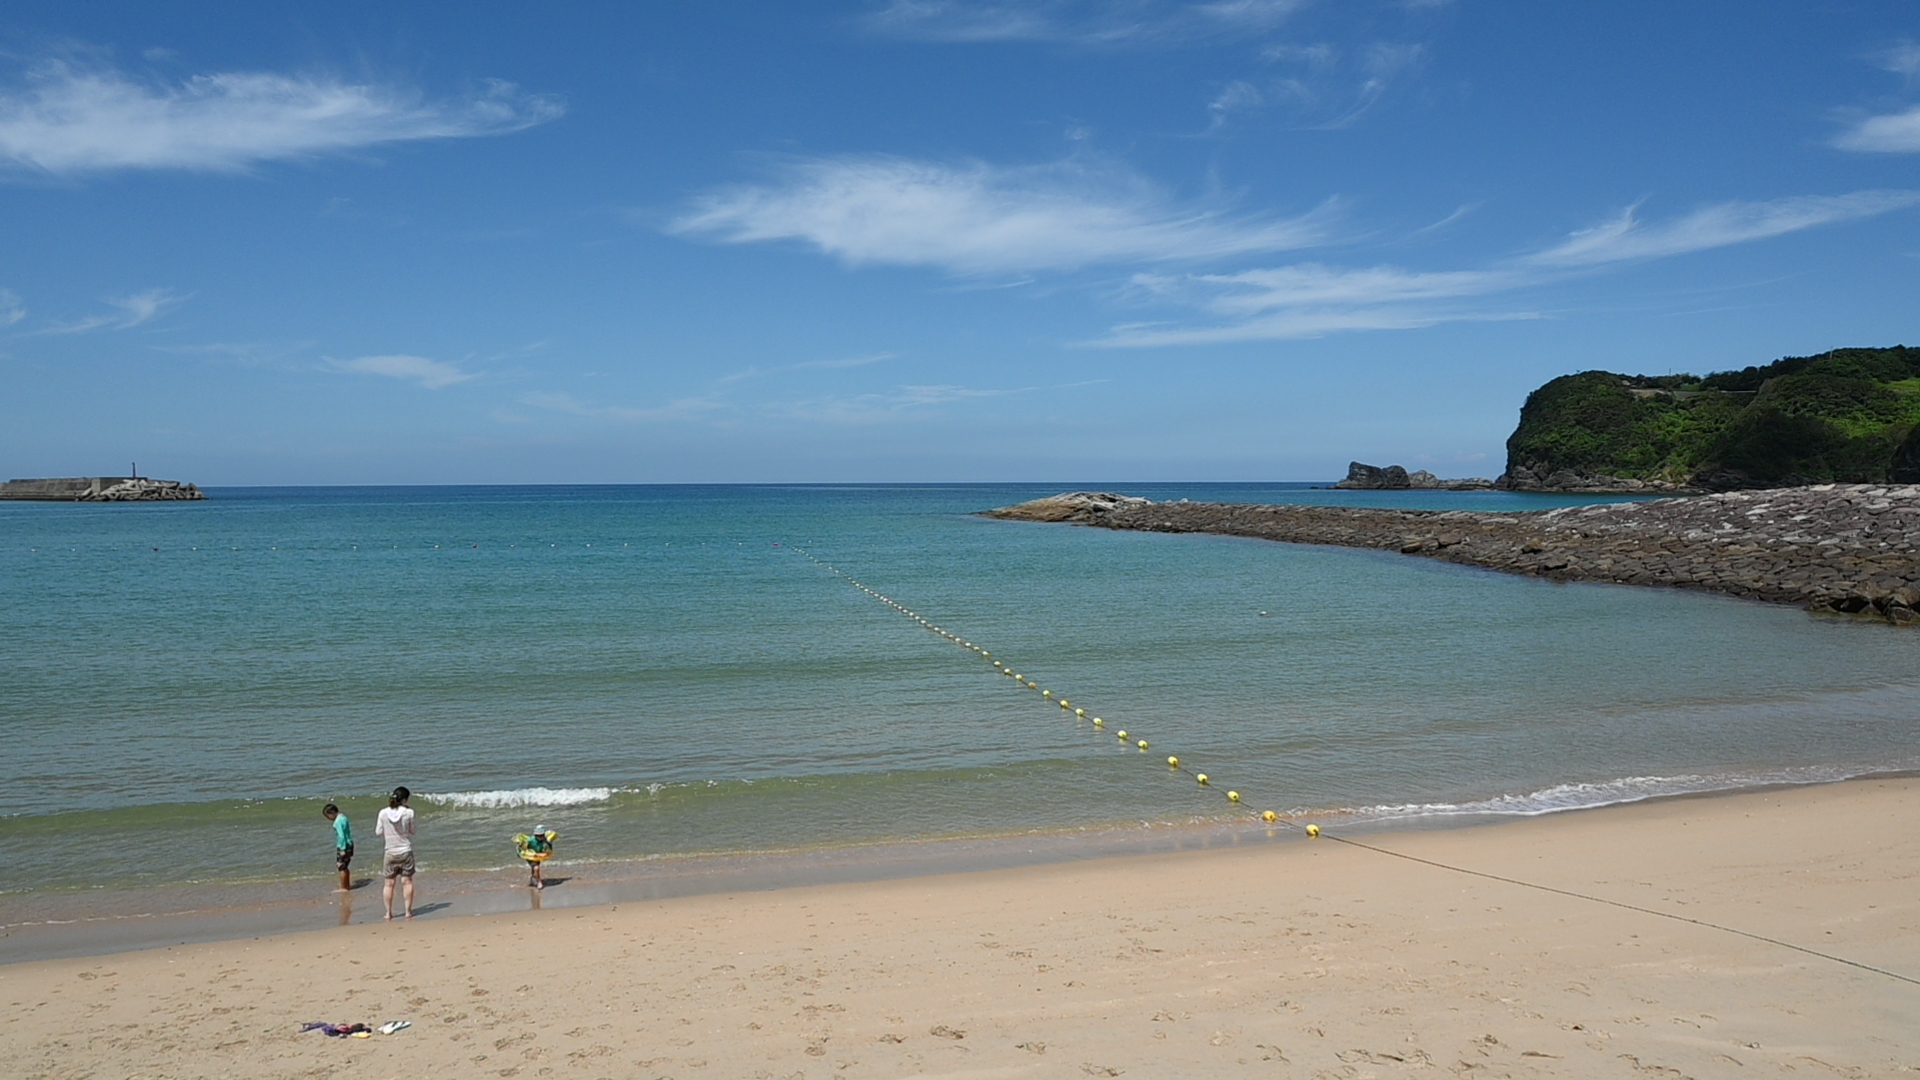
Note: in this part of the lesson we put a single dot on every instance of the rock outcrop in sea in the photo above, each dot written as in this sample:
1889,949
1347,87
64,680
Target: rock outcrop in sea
1845,548
1363,477
100,489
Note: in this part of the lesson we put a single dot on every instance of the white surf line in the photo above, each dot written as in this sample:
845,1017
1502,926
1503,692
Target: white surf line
1313,830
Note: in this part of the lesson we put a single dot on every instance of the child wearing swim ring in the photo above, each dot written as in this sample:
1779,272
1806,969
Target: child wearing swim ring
536,848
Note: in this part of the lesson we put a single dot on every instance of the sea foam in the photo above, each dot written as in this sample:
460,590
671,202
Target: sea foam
1628,789
517,797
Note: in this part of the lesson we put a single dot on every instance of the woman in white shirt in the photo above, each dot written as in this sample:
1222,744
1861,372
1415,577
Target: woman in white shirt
395,827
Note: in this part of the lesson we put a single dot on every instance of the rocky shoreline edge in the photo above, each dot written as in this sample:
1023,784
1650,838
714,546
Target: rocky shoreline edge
1839,548
100,489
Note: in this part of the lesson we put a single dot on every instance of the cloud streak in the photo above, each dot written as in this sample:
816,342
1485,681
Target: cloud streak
1083,22
12,308
1626,237
68,120
899,403
977,219
1888,133
134,310
1312,300
1893,133
431,374
683,409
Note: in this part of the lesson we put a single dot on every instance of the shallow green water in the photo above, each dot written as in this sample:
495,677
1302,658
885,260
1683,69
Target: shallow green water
182,686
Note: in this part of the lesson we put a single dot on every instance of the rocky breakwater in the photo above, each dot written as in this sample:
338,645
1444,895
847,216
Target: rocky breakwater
1843,548
100,489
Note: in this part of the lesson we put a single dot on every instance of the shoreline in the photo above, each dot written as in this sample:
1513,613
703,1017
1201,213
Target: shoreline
1284,959
79,923
1839,548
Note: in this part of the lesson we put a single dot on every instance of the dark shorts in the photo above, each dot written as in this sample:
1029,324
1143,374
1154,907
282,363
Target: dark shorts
343,858
400,865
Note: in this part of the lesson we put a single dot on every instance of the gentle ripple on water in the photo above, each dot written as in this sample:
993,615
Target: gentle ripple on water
645,671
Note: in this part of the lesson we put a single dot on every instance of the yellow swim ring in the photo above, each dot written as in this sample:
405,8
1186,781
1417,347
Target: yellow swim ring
536,847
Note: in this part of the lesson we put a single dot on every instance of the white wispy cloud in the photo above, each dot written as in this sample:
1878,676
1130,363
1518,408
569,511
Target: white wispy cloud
682,409
895,405
1237,96
982,219
1902,58
68,119
1323,86
1313,300
432,374
1088,22
12,308
131,311
1887,133
846,362
1626,237
1893,133
1297,324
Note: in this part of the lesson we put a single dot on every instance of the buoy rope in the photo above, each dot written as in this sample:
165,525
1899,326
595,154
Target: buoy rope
1314,831
1126,736
1622,904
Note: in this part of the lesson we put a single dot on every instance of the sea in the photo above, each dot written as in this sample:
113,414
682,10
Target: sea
685,677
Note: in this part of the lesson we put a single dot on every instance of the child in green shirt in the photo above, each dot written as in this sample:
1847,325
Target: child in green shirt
536,848
342,844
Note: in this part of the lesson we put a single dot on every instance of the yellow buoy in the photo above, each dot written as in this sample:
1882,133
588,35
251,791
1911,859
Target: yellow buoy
1066,704
1202,778
1079,712
1046,693
1269,816
1313,830
1122,736
1143,746
1233,796
1173,763
1097,722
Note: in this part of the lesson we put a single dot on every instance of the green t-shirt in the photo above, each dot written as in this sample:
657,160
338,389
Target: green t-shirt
342,835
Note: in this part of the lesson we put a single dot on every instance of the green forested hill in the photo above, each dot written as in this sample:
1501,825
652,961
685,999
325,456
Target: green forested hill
1849,415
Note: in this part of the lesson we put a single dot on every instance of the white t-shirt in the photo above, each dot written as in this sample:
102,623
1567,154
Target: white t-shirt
396,828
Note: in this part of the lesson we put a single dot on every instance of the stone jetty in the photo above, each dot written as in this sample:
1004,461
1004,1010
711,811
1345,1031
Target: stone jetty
1845,548
100,489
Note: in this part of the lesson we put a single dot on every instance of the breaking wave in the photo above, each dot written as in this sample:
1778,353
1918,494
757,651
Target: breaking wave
1629,789
518,797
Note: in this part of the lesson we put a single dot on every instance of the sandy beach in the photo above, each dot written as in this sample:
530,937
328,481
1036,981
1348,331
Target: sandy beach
1308,959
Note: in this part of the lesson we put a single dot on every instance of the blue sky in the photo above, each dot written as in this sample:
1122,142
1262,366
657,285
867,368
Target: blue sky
918,240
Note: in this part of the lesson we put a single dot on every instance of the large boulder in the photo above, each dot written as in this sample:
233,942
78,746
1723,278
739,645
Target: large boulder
1070,506
1363,477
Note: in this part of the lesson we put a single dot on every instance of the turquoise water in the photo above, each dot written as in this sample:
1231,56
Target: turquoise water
643,669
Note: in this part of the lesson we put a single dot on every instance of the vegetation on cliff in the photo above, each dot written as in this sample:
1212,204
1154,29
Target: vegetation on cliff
1848,416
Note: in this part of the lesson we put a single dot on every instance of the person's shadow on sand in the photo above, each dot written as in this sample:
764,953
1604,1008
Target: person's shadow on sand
428,909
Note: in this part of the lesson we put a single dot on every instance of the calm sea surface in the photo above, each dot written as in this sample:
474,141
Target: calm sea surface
656,671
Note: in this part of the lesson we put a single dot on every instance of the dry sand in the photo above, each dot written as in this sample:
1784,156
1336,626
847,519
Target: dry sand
1298,960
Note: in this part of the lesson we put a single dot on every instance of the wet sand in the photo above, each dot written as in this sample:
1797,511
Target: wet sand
1300,959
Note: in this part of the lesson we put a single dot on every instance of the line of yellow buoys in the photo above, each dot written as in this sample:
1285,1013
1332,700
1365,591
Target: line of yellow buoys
1124,736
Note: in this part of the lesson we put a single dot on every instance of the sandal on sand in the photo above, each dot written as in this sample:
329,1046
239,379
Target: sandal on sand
392,1026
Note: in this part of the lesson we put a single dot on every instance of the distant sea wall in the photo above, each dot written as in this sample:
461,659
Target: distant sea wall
1848,548
100,489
